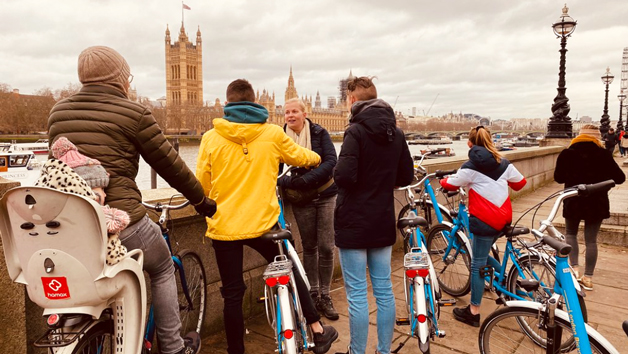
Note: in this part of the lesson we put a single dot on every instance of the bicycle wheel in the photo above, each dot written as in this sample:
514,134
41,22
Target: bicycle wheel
501,332
534,268
452,267
192,314
97,340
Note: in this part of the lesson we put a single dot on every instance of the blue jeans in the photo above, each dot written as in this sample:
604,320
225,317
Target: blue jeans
354,263
481,246
146,235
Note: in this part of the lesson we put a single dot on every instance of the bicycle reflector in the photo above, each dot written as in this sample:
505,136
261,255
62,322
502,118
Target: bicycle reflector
53,320
273,281
421,318
413,273
288,333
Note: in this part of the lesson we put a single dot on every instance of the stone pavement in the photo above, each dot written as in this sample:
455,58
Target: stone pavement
607,304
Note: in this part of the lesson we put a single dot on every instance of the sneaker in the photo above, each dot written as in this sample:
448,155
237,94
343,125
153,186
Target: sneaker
323,341
191,343
586,282
325,306
463,314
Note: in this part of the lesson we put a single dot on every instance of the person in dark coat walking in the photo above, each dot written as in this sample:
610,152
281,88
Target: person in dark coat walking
586,161
373,160
315,214
610,140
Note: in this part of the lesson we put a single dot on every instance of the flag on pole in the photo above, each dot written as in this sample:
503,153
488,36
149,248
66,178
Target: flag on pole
186,7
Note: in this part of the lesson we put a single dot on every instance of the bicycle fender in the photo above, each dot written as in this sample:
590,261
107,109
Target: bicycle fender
537,306
421,309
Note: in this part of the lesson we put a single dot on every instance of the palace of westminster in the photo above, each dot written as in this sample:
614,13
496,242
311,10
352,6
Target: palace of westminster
184,93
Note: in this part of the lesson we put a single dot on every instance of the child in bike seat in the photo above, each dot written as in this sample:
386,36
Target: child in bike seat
487,175
84,176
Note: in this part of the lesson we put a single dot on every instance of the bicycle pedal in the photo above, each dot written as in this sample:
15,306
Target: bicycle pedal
447,302
261,299
403,322
441,334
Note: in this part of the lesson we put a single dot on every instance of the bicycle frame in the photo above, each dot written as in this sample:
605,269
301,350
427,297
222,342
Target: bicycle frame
149,333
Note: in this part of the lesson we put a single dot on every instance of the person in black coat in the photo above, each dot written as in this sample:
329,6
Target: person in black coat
586,162
314,214
610,140
373,160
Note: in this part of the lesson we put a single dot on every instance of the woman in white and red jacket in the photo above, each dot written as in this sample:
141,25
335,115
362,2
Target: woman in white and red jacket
487,175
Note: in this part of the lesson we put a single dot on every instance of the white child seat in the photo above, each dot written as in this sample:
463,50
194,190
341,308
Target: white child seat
55,244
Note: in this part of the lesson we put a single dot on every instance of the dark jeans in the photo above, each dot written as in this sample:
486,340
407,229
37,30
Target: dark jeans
481,246
591,228
316,226
229,257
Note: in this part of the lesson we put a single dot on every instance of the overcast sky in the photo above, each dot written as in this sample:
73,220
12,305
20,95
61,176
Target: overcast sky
494,58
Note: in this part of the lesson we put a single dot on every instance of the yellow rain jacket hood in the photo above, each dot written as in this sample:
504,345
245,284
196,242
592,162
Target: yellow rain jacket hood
238,165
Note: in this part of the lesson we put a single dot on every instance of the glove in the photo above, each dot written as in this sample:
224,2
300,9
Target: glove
207,207
298,183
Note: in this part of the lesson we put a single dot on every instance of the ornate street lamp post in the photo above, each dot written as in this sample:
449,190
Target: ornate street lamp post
622,97
605,122
559,125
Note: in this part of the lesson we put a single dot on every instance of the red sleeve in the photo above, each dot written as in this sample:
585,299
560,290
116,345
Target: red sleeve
447,186
517,185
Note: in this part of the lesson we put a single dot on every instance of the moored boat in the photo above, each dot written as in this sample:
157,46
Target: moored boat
20,166
40,147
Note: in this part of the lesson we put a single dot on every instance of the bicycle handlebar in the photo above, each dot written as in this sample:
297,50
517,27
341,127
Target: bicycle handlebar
443,173
159,206
600,187
561,248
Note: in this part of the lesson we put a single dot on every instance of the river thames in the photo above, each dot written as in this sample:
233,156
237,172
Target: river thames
189,154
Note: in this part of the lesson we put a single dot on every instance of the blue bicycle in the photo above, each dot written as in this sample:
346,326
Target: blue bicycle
543,327
190,278
422,293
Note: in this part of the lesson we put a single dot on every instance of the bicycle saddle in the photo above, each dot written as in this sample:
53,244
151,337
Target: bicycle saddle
412,221
528,284
276,235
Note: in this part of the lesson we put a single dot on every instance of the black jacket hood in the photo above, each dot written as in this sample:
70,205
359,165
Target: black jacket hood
378,119
482,159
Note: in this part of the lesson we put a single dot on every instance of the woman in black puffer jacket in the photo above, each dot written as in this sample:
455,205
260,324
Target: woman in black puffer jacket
586,161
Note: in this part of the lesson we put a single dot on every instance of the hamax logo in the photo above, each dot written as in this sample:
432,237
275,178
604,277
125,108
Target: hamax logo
55,288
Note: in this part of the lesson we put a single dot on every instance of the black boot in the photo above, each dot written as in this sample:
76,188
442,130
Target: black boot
325,306
464,315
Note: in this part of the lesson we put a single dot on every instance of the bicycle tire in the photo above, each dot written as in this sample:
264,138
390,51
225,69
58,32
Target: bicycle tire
192,319
505,323
99,339
454,274
548,270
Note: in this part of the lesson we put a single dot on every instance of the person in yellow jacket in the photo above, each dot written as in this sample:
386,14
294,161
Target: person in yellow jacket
238,165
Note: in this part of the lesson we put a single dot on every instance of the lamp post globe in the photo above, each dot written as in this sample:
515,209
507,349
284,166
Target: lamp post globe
621,97
560,125
605,122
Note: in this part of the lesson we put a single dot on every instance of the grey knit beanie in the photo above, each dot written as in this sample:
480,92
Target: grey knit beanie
103,65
